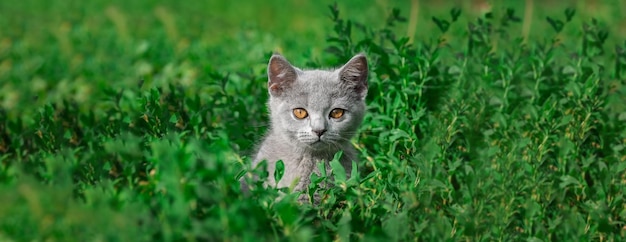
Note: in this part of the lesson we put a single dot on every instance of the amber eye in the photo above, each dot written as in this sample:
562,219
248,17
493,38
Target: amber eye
300,113
336,113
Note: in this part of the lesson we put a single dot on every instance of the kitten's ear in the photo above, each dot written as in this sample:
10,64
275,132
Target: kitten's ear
280,74
354,74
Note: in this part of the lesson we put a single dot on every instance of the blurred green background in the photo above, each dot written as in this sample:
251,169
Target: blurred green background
53,48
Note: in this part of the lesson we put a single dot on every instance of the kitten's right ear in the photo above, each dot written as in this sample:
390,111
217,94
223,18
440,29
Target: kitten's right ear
280,74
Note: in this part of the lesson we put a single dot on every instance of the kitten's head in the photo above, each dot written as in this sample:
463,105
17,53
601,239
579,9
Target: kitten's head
317,110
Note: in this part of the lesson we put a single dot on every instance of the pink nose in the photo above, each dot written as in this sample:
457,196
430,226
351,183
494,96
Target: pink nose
319,132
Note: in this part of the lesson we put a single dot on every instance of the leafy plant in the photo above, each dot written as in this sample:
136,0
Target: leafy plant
472,135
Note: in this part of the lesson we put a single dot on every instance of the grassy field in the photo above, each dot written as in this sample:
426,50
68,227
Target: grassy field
134,120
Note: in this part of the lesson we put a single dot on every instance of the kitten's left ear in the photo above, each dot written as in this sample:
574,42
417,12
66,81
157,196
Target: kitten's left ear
354,74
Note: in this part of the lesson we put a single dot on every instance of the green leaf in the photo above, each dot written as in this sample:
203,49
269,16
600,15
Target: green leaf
338,170
394,224
279,171
397,134
354,174
287,212
567,181
569,14
344,227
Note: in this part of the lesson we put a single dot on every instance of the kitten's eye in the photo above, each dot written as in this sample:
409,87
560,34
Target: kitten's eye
300,113
336,113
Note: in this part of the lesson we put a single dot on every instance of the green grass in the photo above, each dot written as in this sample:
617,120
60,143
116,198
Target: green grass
133,121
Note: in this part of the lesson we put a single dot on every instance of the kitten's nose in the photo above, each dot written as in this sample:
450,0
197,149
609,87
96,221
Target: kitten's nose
319,132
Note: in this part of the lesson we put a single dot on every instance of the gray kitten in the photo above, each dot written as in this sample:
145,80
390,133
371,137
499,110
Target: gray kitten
313,114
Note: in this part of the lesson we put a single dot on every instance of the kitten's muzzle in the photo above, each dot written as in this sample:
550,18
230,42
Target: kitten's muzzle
319,132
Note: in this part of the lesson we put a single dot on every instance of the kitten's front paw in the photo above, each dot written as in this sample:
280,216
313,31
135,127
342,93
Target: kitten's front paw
317,199
305,199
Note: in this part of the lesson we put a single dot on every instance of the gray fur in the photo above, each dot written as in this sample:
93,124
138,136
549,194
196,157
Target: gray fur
293,140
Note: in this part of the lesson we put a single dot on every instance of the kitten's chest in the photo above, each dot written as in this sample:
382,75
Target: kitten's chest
301,169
